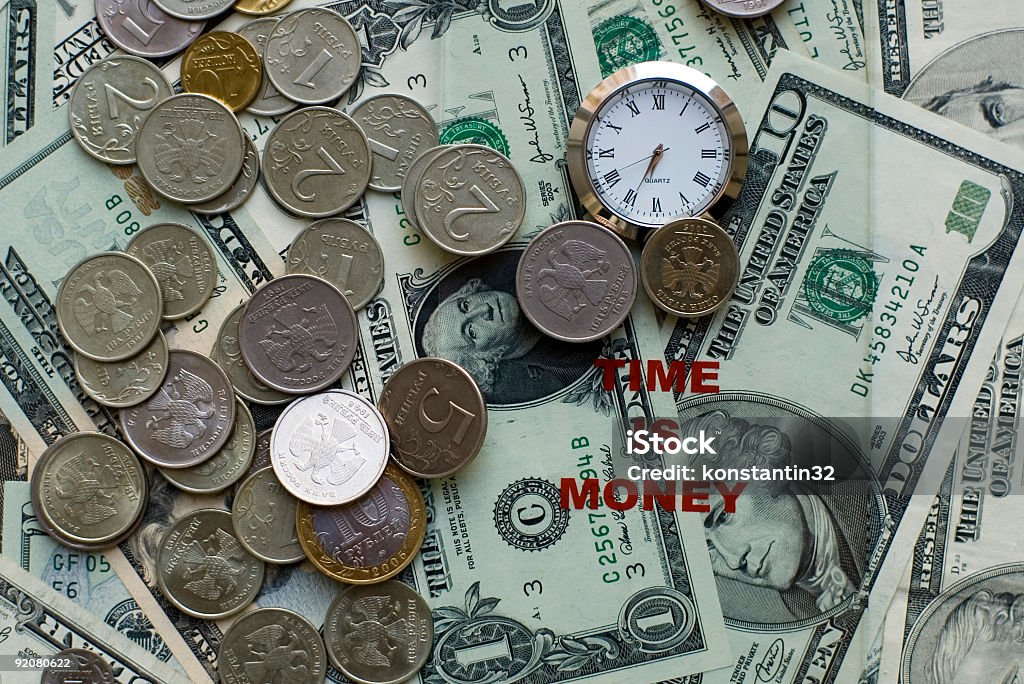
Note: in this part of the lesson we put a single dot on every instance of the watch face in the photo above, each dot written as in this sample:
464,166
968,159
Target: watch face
657,150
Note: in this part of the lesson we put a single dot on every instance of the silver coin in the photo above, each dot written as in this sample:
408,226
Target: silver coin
109,102
344,254
399,131
124,383
89,489
228,355
190,148
189,418
77,666
390,607
264,517
330,448
272,645
470,200
313,56
229,464
183,263
316,162
260,459
412,179
109,306
269,101
744,9
576,281
241,189
203,569
143,29
194,9
298,334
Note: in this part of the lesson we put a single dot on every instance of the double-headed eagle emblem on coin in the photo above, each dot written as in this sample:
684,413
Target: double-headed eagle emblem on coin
277,657
177,419
320,443
690,273
570,283
381,634
189,151
214,565
300,336
171,266
104,304
88,487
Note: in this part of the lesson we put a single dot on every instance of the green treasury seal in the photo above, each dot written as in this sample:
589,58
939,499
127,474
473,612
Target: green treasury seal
840,284
477,131
622,41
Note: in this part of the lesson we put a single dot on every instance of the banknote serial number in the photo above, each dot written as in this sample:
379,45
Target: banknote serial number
42,663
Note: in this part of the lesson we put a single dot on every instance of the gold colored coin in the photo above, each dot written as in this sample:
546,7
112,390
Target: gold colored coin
344,541
224,66
260,7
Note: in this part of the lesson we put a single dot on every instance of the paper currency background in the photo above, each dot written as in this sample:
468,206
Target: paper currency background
884,170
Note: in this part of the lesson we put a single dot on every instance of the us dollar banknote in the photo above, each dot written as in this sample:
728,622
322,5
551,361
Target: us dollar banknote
26,31
892,313
832,32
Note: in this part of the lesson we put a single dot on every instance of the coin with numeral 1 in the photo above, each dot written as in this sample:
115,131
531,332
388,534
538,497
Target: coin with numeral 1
399,130
268,102
343,253
313,56
141,28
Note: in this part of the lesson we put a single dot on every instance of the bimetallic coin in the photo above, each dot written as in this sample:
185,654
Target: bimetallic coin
436,417
316,162
124,383
344,254
194,9
109,102
228,465
368,540
242,188
189,418
268,102
203,569
183,263
109,306
399,131
690,267
410,184
142,28
89,490
259,6
81,667
298,334
190,148
470,200
313,56
264,517
330,448
576,281
272,645
222,65
407,617
228,356
744,9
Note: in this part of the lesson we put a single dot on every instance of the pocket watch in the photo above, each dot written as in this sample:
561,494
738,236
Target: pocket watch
653,143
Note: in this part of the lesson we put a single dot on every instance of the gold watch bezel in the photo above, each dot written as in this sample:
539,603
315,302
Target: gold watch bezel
624,78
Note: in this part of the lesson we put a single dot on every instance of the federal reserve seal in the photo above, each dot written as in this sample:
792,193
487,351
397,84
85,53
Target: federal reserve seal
476,131
841,285
528,517
622,41
128,619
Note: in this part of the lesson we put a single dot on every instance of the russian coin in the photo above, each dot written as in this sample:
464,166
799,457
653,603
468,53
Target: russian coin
298,334
576,281
470,200
189,418
329,448
410,184
260,459
344,254
393,608
240,190
89,490
690,267
272,645
109,102
142,28
316,162
264,517
268,102
203,569
190,148
228,356
183,263
436,417
313,56
82,667
124,383
222,65
259,6
194,9
109,306
399,131
744,9
227,466
368,540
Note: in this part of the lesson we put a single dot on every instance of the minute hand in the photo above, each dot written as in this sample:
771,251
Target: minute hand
641,161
